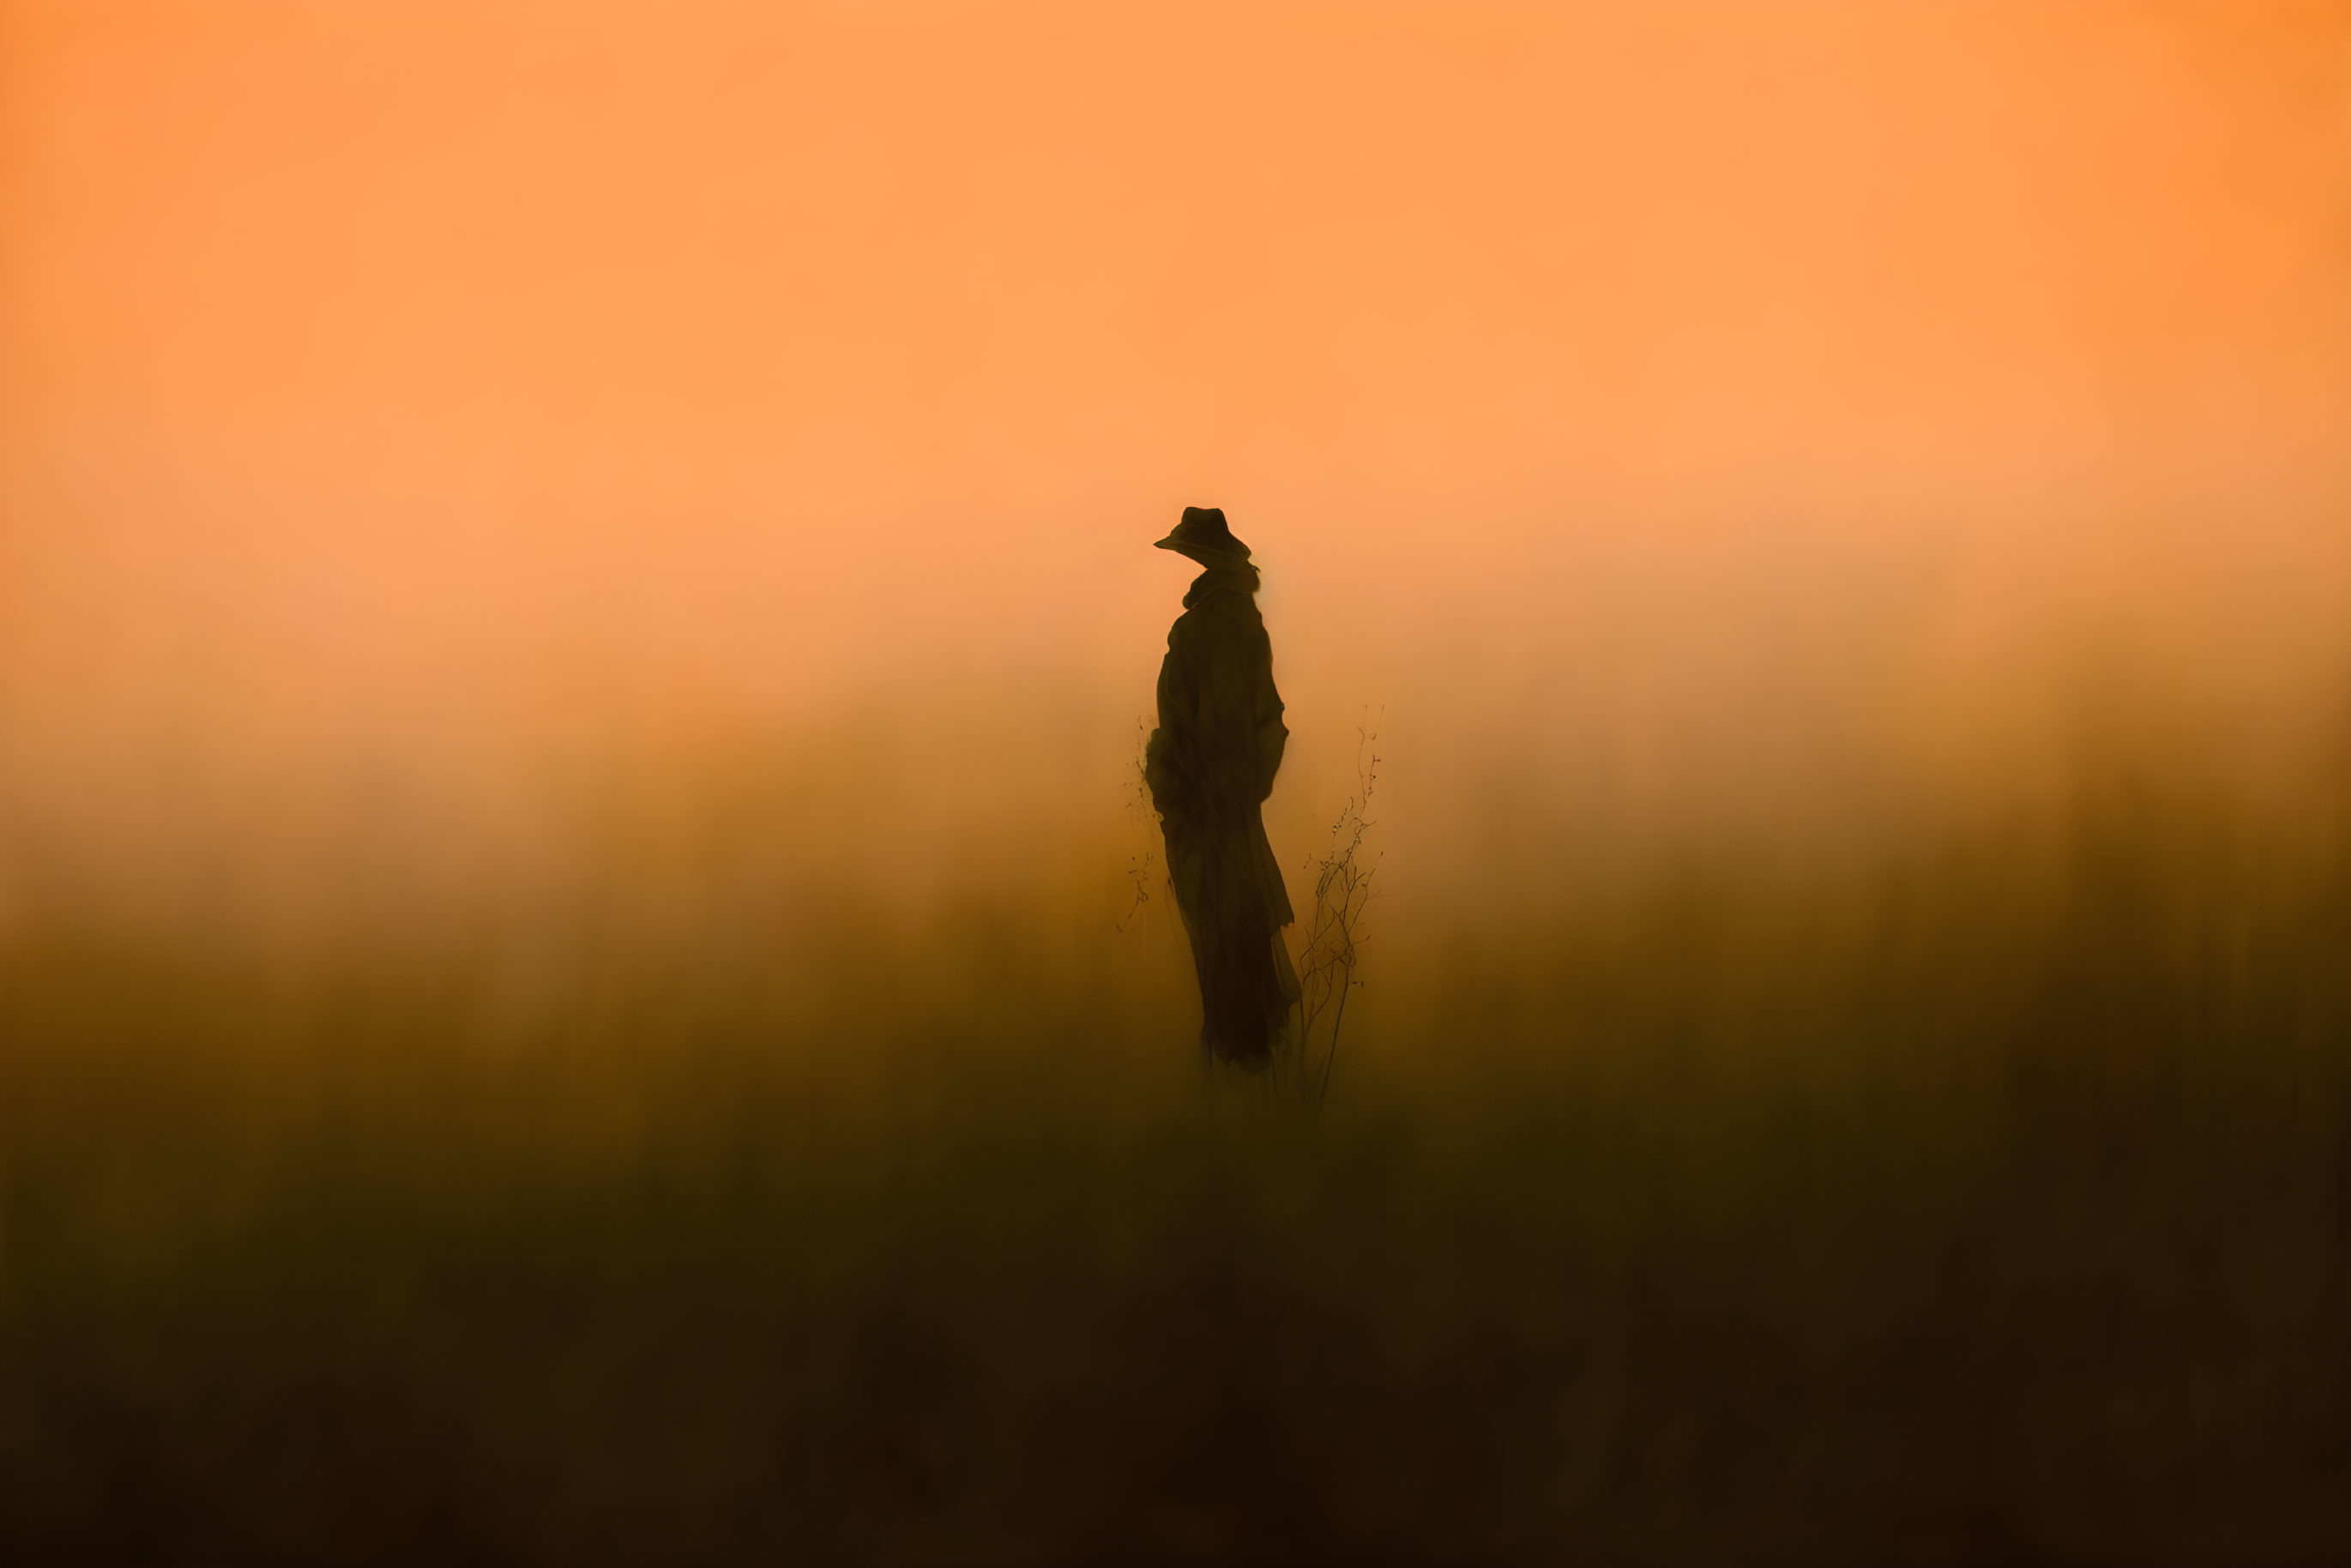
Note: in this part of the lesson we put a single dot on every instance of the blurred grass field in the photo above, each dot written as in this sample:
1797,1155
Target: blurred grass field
1988,1201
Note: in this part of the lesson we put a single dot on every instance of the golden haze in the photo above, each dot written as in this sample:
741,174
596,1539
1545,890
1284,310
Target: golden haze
1680,418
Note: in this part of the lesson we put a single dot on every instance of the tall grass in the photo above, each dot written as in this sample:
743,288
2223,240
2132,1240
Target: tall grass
1991,1204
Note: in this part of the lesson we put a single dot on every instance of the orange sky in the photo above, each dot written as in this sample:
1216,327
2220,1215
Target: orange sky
421,388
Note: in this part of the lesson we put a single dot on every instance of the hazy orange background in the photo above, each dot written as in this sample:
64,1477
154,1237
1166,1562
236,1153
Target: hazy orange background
1672,413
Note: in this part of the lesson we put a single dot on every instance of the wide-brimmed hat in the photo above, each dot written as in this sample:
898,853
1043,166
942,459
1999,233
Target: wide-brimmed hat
1203,536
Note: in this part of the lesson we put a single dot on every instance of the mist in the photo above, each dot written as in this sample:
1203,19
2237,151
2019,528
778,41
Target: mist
585,972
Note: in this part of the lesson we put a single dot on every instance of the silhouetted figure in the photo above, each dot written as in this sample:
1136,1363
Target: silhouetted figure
1211,763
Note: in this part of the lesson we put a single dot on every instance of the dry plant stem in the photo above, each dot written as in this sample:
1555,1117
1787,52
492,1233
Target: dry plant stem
1342,889
1138,804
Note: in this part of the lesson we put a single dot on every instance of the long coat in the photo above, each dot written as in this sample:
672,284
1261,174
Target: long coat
1211,765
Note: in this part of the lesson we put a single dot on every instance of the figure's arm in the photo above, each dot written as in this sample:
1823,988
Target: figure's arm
1272,734
1163,754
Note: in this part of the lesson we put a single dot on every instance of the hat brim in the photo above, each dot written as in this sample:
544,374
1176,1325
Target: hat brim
1203,553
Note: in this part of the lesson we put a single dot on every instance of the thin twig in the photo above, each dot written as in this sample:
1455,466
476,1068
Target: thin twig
1343,890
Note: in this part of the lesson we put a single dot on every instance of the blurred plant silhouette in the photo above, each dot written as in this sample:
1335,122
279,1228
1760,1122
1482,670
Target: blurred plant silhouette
1332,949
1140,816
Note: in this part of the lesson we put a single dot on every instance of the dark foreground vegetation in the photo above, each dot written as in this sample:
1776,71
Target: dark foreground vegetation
1995,1208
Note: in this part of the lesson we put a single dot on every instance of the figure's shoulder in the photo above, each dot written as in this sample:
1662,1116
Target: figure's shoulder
1224,606
1194,637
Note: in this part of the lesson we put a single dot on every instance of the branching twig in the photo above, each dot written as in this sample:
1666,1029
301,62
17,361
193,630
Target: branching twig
1335,935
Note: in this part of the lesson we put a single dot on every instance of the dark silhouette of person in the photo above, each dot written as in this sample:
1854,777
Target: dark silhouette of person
1211,763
